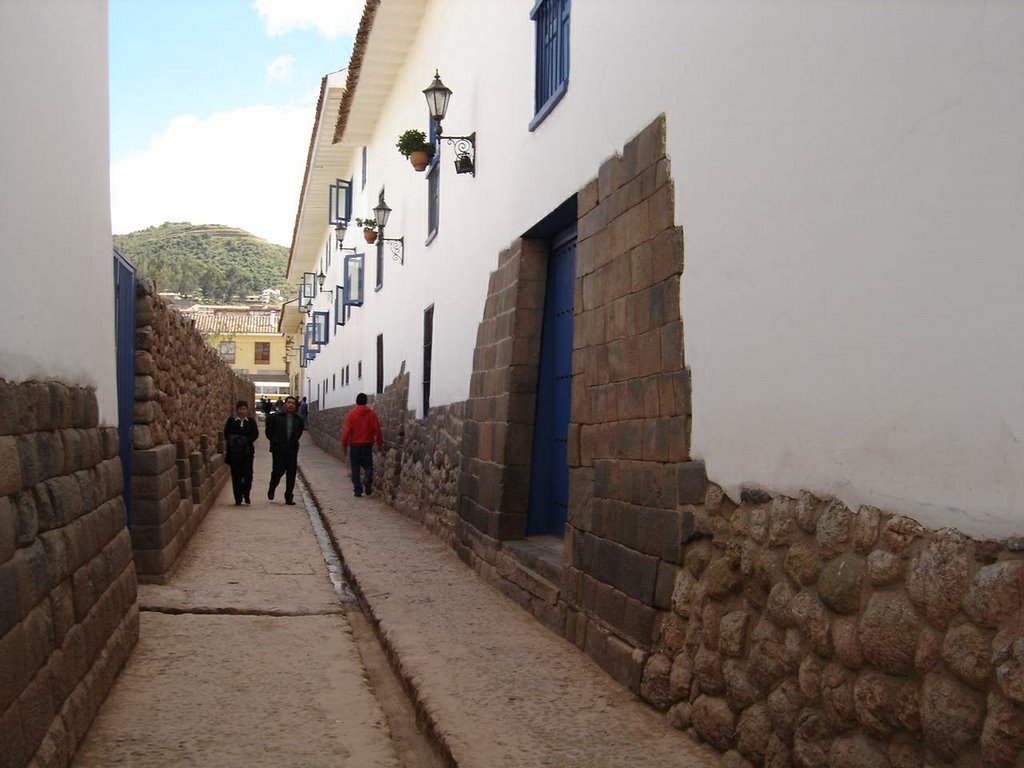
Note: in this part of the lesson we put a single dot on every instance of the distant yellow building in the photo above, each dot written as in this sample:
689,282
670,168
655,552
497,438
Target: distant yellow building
247,339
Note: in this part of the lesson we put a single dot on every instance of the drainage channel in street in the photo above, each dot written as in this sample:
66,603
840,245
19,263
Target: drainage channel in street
415,747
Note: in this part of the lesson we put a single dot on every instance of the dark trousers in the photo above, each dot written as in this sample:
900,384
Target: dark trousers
361,458
286,462
241,477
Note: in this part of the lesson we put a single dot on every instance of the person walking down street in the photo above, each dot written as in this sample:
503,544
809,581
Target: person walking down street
304,410
266,408
284,429
240,432
358,435
279,406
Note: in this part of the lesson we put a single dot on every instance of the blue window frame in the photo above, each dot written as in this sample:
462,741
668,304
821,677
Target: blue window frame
363,179
433,201
321,327
341,312
551,23
380,251
308,288
355,289
303,357
339,202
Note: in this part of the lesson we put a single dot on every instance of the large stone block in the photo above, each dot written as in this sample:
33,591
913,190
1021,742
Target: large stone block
627,570
11,480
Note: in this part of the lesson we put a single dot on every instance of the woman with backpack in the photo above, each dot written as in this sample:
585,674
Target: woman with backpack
240,432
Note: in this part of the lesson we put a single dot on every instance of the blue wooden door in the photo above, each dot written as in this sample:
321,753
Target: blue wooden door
549,474
124,340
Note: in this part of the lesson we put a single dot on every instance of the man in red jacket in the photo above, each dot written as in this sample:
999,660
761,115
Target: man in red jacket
361,431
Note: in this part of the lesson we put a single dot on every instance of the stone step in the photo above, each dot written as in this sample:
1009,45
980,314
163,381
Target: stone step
544,559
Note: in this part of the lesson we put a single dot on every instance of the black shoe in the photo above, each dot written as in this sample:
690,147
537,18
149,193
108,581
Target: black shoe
238,503
357,493
290,502
270,494
246,500
368,490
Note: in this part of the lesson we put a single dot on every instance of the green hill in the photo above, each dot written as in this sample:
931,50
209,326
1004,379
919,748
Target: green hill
208,263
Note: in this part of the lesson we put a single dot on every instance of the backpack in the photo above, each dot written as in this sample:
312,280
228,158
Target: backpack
238,447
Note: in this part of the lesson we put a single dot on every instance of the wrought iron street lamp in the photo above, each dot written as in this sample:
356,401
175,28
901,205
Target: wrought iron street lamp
437,95
381,214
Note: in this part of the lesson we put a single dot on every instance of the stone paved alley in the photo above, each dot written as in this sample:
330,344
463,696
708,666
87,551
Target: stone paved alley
248,656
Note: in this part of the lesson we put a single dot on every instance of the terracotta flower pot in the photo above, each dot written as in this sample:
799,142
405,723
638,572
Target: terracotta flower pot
370,235
419,159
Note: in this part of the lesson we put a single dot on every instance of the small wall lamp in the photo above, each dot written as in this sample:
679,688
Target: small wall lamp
381,213
339,237
437,95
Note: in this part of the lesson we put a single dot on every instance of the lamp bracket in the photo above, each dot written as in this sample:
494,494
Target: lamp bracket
397,246
465,150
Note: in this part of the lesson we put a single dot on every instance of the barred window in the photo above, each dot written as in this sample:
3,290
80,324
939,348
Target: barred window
551,20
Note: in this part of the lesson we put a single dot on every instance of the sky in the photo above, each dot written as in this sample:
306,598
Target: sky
212,105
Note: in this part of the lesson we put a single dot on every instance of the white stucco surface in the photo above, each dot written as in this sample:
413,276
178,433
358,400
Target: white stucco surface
56,295
850,179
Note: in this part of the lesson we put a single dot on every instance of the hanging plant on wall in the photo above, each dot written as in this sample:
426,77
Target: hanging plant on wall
413,144
369,227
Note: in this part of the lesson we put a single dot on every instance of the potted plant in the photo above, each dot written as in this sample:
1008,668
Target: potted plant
413,144
369,229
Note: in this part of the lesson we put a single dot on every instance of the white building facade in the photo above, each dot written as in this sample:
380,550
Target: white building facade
850,182
57,293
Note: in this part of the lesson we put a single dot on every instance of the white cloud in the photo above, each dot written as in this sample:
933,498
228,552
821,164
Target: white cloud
330,18
241,168
280,69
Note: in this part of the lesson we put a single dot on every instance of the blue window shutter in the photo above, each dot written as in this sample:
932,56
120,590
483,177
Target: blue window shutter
433,201
355,280
339,201
551,20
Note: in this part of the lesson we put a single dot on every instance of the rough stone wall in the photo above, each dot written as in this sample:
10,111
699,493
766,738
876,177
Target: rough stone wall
803,634
183,394
417,471
68,611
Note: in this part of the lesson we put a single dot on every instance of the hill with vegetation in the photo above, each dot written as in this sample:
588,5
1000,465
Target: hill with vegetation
207,263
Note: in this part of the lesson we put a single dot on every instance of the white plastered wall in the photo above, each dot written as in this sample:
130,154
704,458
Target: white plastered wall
56,295
850,178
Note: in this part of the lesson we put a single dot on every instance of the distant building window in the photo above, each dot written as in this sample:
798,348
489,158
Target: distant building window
359,370
433,201
428,343
334,381
551,23
346,375
380,363
227,352
262,353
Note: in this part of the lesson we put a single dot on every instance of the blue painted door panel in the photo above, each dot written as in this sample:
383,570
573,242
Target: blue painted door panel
124,339
549,475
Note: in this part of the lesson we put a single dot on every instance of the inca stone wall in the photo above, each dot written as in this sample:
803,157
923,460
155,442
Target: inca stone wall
803,634
68,611
417,471
183,394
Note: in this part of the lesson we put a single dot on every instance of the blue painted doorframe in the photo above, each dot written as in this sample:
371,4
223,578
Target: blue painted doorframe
124,340
549,473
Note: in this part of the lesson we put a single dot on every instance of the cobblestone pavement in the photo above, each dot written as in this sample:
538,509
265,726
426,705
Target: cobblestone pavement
246,658
498,688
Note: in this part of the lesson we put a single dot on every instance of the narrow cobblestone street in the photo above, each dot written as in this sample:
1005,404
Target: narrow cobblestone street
245,658
249,656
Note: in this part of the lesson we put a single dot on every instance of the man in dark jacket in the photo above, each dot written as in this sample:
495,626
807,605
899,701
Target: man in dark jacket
359,433
284,429
240,432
